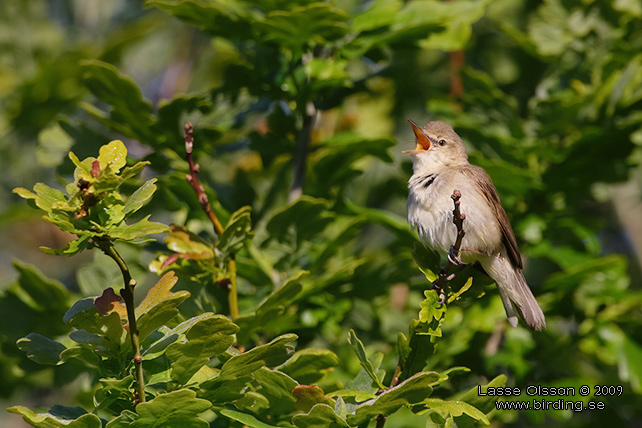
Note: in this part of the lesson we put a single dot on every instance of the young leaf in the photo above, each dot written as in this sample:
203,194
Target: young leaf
139,197
47,420
159,306
137,230
113,154
360,351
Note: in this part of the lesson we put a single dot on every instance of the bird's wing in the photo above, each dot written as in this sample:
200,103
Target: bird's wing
487,189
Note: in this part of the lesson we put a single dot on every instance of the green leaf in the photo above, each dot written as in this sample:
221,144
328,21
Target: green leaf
431,315
308,366
231,19
485,403
176,408
237,231
207,338
159,306
270,309
113,154
44,196
305,218
114,390
41,349
411,391
394,223
73,247
84,316
137,230
421,348
315,23
462,290
453,409
335,161
245,419
24,193
320,416
275,383
225,390
360,351
139,197
427,260
380,13
363,381
46,420
39,292
130,115
83,354
271,354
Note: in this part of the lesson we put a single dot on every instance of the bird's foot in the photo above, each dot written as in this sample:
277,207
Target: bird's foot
453,257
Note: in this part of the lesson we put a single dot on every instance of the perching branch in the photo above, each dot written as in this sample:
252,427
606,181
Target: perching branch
127,293
454,265
192,179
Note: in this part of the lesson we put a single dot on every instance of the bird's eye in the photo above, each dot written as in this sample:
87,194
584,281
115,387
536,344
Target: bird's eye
442,142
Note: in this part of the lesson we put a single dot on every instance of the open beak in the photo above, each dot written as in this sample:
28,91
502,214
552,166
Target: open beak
423,142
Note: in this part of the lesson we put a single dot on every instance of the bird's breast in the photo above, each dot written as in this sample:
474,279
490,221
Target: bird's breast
430,212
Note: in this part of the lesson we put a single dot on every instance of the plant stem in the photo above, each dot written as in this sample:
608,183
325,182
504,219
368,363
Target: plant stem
127,294
192,179
232,296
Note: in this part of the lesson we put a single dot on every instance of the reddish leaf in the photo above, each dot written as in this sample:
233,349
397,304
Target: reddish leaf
95,168
105,302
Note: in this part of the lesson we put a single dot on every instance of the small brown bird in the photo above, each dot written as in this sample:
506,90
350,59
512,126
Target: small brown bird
440,165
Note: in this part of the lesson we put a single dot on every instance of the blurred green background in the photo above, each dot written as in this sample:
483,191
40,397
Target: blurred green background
546,95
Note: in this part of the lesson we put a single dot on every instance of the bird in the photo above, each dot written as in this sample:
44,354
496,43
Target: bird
440,166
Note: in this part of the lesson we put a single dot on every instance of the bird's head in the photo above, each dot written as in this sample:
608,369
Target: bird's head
438,145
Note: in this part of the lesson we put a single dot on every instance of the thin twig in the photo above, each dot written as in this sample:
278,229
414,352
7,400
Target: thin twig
192,179
127,294
451,268
302,147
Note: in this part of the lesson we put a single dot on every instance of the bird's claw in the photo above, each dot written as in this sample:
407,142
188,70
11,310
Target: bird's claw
453,257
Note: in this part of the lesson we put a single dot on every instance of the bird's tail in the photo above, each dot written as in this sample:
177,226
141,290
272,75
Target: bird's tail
516,296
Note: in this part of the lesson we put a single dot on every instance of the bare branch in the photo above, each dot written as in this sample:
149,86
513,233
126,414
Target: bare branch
192,179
